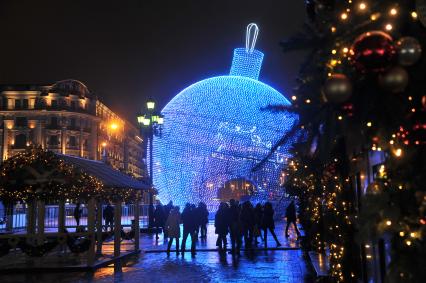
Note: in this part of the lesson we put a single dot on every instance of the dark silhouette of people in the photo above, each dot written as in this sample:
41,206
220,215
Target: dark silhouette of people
159,219
290,214
167,208
235,227
268,223
189,219
247,223
172,226
78,211
221,223
258,216
108,215
203,215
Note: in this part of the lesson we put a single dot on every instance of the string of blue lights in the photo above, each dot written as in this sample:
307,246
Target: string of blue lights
214,131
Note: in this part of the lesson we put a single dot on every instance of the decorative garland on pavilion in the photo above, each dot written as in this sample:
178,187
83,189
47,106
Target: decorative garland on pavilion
42,175
37,174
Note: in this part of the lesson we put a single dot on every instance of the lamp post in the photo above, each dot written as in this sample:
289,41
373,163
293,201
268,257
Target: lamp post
151,125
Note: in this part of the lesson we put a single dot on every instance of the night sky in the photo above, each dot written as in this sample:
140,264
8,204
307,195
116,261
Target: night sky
128,51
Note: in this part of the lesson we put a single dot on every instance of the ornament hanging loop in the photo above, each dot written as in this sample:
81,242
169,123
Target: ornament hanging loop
251,39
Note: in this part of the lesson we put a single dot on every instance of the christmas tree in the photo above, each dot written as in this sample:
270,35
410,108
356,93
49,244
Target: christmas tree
361,93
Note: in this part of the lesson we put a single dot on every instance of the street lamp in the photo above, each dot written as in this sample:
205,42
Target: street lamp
150,105
151,125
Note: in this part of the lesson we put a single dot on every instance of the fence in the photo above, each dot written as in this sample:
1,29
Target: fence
18,219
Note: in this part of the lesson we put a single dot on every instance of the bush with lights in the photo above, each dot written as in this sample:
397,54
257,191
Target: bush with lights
362,89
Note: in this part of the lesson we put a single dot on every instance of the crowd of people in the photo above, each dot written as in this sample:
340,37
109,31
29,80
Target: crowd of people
194,220
242,221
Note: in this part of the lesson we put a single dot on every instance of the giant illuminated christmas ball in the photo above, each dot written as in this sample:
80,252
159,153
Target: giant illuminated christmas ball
216,131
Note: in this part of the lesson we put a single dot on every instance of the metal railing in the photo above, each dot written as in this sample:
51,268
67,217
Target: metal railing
18,218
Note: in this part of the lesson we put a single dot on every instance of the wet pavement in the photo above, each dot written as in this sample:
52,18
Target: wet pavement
149,243
152,265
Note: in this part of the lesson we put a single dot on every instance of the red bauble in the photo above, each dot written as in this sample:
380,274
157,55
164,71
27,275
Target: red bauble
373,52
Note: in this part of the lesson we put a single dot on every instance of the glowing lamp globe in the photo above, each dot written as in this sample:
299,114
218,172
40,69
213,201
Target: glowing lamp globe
216,130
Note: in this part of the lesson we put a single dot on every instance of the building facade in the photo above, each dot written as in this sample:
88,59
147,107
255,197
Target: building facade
67,118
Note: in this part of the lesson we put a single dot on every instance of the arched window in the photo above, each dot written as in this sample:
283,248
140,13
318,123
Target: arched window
20,141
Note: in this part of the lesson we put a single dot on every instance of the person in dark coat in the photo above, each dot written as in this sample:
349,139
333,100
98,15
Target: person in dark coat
198,218
290,214
204,219
258,215
268,223
167,208
235,227
247,223
221,223
189,219
108,215
159,219
77,213
172,226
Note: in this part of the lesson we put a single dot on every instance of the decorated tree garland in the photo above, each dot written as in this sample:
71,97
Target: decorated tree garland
361,91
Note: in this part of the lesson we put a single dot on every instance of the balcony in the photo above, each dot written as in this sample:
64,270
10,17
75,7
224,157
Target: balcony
73,128
53,127
73,147
54,147
41,106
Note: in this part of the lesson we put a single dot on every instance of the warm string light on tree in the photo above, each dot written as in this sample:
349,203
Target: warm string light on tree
372,58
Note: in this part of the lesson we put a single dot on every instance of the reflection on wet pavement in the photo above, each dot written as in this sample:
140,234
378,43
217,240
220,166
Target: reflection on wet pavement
149,242
207,266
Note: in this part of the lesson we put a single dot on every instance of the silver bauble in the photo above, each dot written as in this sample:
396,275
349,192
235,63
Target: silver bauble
409,50
337,88
395,80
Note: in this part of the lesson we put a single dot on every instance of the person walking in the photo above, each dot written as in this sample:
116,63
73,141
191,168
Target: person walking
189,225
78,211
159,219
221,224
204,219
167,208
108,215
235,227
172,226
290,214
258,215
268,223
197,219
247,223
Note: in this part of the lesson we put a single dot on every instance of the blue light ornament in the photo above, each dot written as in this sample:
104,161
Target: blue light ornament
215,131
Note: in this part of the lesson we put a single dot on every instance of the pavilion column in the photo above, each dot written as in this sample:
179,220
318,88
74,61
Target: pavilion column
31,214
61,216
117,228
136,222
99,228
41,209
91,217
